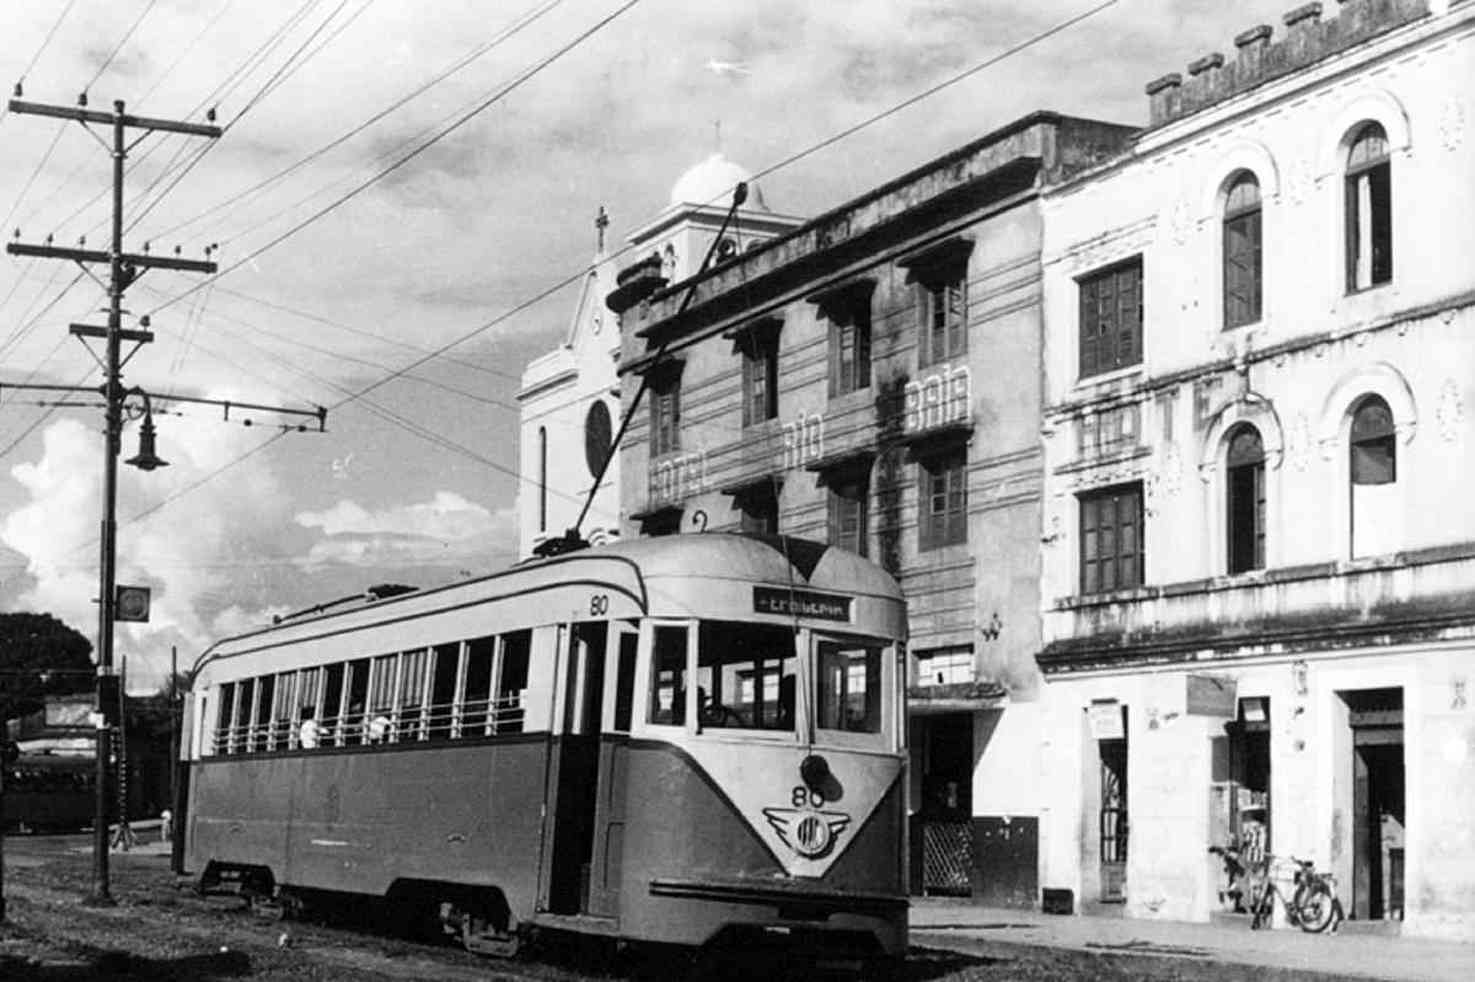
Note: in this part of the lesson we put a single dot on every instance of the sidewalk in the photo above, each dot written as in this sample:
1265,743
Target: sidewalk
936,923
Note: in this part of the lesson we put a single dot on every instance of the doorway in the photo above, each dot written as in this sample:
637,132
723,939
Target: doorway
944,823
575,779
1375,717
1112,820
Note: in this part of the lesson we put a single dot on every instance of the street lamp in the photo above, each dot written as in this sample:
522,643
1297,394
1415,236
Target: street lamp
108,692
146,459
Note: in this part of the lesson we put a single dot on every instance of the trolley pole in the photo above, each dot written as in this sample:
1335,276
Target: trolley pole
123,270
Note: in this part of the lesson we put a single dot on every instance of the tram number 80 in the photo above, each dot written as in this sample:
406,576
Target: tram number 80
802,796
599,605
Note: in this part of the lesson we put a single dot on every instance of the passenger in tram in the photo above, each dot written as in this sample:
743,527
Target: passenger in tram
307,733
376,730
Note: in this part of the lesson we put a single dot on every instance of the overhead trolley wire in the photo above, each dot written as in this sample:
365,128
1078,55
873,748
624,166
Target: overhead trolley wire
464,61
441,134
566,281
284,72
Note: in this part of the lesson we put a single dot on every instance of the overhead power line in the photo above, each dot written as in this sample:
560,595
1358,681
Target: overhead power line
461,63
576,276
444,132
45,43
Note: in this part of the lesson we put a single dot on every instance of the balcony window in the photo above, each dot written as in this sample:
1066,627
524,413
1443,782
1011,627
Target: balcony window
1369,210
850,349
943,494
1373,473
758,345
1246,503
1243,270
849,496
665,415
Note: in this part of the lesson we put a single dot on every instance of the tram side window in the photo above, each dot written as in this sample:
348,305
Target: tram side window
225,713
351,730
265,690
746,676
517,647
441,713
307,734
476,701
411,694
668,677
849,687
245,698
379,723
330,729
280,730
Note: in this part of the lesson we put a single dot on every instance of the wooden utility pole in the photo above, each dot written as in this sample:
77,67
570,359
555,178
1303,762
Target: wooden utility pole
124,269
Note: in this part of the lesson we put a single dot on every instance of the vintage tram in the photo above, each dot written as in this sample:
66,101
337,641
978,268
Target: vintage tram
694,739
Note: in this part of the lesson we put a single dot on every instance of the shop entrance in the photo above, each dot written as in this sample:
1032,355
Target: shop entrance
1375,717
1113,820
943,833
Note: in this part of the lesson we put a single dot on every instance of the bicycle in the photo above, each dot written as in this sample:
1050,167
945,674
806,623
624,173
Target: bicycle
1312,906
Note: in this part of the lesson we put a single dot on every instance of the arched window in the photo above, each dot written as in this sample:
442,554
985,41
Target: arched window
1243,266
1369,210
1373,473
1245,507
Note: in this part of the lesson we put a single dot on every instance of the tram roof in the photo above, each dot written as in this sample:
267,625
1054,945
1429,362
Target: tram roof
737,557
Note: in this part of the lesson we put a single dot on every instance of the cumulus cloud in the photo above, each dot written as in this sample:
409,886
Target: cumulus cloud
446,530
192,555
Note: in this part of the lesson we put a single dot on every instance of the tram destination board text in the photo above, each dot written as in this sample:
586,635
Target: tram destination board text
801,603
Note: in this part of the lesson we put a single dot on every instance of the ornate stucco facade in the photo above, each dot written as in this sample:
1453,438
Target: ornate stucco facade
1258,572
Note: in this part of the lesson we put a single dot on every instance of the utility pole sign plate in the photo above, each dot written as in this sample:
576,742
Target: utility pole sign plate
131,603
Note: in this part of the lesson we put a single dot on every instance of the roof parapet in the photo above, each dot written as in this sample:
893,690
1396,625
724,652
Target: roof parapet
1261,58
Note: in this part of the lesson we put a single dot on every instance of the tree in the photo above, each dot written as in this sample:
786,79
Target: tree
40,656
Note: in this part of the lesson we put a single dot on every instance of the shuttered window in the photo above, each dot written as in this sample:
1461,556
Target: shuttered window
848,512
1111,539
1111,318
943,495
1369,210
1245,506
1243,271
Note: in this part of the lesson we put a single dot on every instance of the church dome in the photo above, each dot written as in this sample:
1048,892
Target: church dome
711,182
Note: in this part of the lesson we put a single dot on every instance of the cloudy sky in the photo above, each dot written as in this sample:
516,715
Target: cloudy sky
320,300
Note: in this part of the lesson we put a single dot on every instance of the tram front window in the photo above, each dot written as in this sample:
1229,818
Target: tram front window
668,677
746,676
849,687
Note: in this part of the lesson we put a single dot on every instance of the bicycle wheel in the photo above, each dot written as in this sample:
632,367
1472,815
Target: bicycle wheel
1315,908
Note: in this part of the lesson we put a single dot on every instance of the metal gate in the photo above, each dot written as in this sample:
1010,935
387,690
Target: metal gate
947,856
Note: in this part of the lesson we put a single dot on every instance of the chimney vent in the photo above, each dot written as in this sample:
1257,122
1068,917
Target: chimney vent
1303,17
1165,98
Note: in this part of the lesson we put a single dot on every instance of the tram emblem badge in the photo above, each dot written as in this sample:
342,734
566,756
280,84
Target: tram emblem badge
807,831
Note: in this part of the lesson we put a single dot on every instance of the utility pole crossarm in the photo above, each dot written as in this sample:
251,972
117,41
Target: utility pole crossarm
139,260
124,269
82,115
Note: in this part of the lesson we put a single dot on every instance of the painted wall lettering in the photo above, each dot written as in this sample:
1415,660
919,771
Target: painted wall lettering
939,399
804,440
679,477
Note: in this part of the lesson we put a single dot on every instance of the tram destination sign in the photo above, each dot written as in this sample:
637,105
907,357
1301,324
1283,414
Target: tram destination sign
801,603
